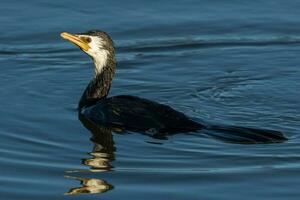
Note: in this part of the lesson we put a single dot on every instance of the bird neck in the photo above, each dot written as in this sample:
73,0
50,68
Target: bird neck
99,86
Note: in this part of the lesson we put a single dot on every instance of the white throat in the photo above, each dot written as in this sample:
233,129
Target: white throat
98,53
100,60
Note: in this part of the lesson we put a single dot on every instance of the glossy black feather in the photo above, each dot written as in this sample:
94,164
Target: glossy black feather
138,114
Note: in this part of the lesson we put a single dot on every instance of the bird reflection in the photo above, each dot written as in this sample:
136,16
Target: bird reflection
101,156
89,186
99,161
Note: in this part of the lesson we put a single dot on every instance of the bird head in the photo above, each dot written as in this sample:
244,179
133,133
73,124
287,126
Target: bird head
96,44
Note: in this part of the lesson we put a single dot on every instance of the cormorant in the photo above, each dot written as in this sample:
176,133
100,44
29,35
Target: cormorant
138,114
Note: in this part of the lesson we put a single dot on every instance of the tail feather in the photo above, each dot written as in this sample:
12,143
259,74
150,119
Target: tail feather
238,134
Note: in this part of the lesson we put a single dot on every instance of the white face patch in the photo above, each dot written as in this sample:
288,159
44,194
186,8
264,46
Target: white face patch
97,52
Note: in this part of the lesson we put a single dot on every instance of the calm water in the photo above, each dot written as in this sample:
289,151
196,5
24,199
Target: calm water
220,61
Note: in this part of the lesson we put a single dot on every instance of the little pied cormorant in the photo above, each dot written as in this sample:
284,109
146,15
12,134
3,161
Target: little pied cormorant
138,114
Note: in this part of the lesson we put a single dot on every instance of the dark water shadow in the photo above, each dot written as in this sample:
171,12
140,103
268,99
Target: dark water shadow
195,43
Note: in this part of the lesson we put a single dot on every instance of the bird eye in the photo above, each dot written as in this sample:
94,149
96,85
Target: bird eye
88,40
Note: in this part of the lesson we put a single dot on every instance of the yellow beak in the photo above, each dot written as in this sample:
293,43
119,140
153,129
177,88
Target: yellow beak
76,40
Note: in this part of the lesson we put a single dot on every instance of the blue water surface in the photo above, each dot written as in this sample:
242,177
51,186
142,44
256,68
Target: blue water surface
230,62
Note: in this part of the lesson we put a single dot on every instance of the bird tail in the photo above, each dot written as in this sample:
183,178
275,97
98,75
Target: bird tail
245,135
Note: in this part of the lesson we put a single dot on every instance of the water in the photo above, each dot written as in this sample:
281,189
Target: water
224,62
